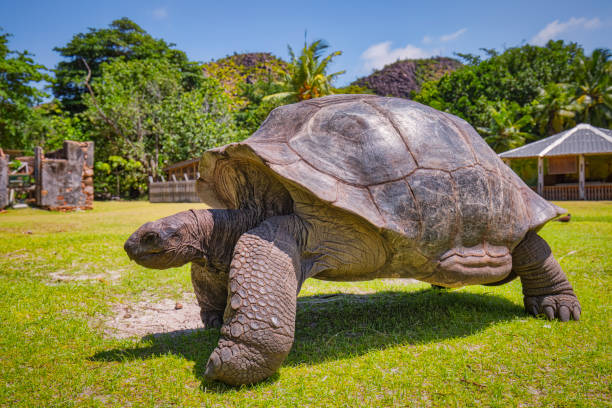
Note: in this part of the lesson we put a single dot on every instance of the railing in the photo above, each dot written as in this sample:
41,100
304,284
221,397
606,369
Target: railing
562,193
598,192
570,192
173,192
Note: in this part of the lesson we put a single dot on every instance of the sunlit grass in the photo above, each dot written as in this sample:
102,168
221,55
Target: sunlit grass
381,343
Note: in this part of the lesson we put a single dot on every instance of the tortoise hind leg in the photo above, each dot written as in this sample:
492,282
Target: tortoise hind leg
545,287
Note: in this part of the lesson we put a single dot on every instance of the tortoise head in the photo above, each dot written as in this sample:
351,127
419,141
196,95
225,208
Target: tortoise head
169,242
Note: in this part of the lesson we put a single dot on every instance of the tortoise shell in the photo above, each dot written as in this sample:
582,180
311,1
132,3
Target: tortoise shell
403,167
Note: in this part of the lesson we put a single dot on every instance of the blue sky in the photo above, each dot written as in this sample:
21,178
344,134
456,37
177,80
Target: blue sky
370,33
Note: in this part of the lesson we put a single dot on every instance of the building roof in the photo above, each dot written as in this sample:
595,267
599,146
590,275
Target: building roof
181,164
582,139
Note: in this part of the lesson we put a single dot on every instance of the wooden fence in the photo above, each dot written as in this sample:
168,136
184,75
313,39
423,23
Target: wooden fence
598,192
570,192
183,191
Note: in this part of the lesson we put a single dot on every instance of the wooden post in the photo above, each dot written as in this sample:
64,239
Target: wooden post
541,176
38,159
581,177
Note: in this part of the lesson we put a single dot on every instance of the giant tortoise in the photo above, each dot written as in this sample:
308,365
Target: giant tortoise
347,188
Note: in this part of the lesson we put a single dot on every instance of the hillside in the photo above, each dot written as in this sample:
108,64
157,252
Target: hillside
404,77
236,69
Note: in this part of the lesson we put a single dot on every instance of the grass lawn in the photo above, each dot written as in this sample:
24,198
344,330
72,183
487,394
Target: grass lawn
382,343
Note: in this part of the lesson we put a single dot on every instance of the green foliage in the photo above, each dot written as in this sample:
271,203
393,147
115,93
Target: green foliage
118,177
554,109
594,88
516,75
17,95
353,89
124,40
505,131
142,112
14,164
307,77
527,92
50,126
257,107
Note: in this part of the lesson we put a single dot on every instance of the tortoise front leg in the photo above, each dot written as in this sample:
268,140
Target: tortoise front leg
259,320
546,289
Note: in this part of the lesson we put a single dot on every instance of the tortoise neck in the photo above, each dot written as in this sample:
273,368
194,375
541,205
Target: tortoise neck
220,230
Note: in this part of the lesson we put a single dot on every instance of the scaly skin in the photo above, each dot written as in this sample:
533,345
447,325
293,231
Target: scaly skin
546,289
259,320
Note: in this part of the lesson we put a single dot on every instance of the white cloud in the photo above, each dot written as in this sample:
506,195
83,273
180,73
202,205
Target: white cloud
556,28
453,36
160,13
427,40
381,54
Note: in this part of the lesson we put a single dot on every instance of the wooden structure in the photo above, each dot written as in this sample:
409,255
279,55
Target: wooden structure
185,170
4,171
59,180
572,165
181,191
180,186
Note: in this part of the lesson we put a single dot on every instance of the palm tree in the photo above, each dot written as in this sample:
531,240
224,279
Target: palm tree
505,128
307,76
594,88
554,109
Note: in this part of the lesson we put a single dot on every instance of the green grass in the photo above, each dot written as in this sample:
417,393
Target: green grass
381,343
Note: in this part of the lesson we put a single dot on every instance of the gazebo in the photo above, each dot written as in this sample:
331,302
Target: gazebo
575,164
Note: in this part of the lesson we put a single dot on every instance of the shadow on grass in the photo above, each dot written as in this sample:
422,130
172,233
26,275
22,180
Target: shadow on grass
332,327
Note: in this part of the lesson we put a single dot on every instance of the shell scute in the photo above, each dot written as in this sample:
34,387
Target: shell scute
398,206
322,185
433,191
360,200
352,142
431,137
473,199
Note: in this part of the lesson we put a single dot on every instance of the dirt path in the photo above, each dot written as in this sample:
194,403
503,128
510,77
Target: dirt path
146,317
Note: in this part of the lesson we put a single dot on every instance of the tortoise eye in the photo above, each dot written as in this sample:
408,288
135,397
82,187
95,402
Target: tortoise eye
150,238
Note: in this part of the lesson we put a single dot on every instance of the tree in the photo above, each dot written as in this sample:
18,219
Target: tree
17,95
50,126
516,75
506,125
125,40
554,109
594,88
307,76
257,107
142,112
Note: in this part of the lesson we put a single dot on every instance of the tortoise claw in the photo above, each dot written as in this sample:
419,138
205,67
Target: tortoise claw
564,313
565,306
549,312
576,310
